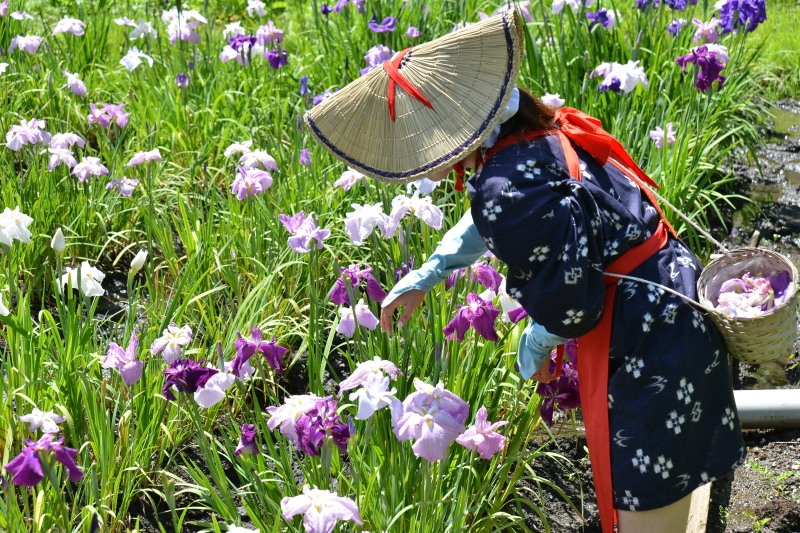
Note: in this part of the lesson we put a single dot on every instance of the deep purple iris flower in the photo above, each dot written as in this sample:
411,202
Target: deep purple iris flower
277,59
182,80
247,442
599,17
404,269
325,9
342,3
751,14
482,272
303,86
564,391
312,428
478,313
517,314
237,42
26,468
246,349
356,275
643,4
386,25
186,376
680,5
708,67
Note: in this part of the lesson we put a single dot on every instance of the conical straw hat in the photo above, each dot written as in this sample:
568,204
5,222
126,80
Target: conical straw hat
467,76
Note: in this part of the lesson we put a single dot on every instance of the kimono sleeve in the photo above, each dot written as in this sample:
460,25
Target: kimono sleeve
546,227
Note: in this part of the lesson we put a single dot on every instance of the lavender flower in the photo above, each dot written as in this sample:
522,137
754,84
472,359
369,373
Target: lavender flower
277,59
429,396
144,157
60,155
347,323
66,140
349,178
356,275
553,100
304,231
375,57
30,132
386,25
320,509
607,18
75,85
21,15
706,32
47,422
620,78
182,25
367,371
680,5
182,80
658,135
674,28
360,223
412,32
269,34
171,342
26,468
123,185
106,114
708,64
287,415
312,428
240,148
250,182
70,25
482,435
258,157
478,313
273,353
751,14
305,157
322,97
26,43
125,360
186,376
247,442
4,8
303,86
213,391
89,166
433,428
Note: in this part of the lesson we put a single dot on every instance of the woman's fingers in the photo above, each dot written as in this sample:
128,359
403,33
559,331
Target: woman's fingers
386,316
409,300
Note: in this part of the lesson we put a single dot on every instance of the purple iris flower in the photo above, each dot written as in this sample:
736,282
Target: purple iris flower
676,26
246,349
482,435
322,97
643,4
312,428
680,5
563,391
403,270
375,57
599,17
615,86
305,157
708,67
277,59
751,14
106,114
26,468
303,86
517,314
182,80
125,360
304,230
412,32
247,442
356,275
186,376
482,272
478,313
342,3
237,42
386,25
326,9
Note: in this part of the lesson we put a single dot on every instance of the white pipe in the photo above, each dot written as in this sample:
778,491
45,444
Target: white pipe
774,408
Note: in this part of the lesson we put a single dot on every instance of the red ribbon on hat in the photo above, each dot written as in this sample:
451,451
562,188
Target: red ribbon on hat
391,67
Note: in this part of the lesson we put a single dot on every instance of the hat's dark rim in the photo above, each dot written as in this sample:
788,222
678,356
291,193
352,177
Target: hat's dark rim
454,153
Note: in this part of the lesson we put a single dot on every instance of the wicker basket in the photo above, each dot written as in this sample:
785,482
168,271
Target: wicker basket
759,339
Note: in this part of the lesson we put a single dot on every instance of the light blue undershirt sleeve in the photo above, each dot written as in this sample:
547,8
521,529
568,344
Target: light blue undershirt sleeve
461,247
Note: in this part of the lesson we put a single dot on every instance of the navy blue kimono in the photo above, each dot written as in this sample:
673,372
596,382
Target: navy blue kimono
672,416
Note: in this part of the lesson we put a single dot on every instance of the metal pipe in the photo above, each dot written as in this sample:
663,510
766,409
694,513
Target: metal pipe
774,408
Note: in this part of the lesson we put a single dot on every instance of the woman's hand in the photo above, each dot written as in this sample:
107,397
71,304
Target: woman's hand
543,375
410,300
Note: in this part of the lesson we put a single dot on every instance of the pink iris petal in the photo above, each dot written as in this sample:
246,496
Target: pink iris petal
367,371
123,185
250,182
292,223
428,396
144,157
482,435
89,166
433,428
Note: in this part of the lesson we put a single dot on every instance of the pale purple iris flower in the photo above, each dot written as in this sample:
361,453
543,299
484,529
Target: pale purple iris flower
272,352
304,232
429,396
171,342
305,157
46,421
250,182
27,132
361,222
375,394
349,178
658,135
66,140
433,428
368,371
182,25
108,113
4,8
123,185
553,100
303,86
144,157
70,25
386,25
182,80
478,313
185,375
286,416
751,13
26,43
355,275
247,442
349,316
277,59
320,509
125,21
21,15
26,468
269,34
709,66
59,156
412,32
75,85
239,148
375,57
258,157
674,28
125,360
524,8
620,78
423,208
483,436
89,166
322,97
340,4
605,17
706,31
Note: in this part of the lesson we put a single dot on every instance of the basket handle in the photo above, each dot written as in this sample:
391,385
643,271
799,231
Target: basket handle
667,289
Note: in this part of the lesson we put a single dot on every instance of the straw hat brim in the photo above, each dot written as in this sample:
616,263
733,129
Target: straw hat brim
468,76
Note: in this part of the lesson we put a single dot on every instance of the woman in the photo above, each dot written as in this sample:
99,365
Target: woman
561,203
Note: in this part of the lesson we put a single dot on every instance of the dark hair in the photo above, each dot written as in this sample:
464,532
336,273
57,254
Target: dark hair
532,115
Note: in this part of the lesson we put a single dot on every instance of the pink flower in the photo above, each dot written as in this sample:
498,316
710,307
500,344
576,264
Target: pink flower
123,185
433,429
368,370
4,8
70,25
444,400
106,114
706,31
320,509
75,85
125,360
303,230
89,166
66,140
658,135
60,155
171,342
250,182
259,157
293,408
412,32
30,132
142,157
349,178
478,313
347,323
26,43
482,435
269,34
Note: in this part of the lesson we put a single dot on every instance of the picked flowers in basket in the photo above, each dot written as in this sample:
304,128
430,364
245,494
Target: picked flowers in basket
753,296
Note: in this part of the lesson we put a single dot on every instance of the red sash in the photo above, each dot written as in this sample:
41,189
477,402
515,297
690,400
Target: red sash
593,348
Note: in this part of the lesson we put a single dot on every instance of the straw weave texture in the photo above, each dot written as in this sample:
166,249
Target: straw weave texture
467,76
754,340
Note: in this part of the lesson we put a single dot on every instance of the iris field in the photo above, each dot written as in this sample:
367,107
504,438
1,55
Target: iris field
176,334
